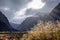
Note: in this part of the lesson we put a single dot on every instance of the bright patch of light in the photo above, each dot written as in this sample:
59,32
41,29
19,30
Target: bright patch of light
6,8
21,12
35,4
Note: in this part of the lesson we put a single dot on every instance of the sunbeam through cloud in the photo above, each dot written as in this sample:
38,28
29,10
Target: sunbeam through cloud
34,4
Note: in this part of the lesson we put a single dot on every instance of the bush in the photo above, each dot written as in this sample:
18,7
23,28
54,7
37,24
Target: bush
44,31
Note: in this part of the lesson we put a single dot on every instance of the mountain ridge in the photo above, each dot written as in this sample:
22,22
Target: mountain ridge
31,21
4,23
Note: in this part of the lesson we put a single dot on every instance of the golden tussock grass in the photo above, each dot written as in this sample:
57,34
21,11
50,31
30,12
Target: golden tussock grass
44,31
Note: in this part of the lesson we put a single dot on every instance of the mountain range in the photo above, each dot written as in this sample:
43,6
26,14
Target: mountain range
29,22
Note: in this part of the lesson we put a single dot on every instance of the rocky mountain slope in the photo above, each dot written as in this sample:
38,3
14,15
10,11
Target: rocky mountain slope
31,21
4,23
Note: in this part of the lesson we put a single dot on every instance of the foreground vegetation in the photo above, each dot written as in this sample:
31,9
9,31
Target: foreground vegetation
44,31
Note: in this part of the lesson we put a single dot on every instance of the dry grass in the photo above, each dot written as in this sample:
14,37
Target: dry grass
44,31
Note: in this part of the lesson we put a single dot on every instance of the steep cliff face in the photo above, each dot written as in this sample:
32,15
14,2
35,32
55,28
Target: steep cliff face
31,21
56,12
4,23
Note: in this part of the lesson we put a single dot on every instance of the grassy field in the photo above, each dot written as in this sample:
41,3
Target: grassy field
44,31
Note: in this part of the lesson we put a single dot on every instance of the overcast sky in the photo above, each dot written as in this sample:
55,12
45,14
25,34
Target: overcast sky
17,10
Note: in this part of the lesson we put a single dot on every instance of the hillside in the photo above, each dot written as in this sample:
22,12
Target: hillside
4,23
29,22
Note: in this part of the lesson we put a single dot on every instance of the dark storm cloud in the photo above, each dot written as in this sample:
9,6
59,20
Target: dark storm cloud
17,4
30,11
50,4
13,5
51,1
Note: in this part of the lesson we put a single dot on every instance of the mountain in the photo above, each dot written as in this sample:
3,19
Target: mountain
15,26
29,22
56,12
4,23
